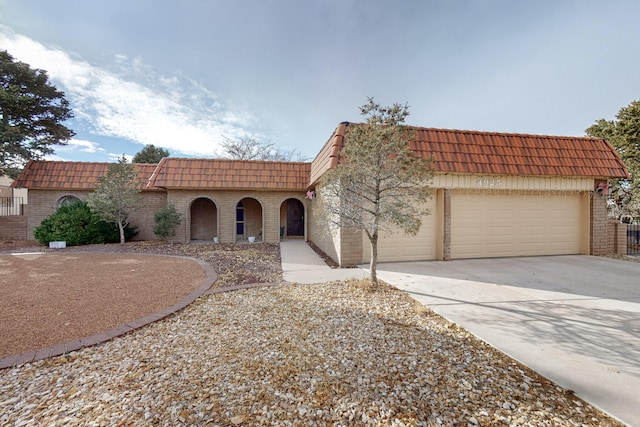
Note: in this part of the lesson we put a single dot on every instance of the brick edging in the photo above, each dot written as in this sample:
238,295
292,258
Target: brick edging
100,337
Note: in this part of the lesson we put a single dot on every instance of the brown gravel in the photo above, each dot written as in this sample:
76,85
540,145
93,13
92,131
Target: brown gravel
52,298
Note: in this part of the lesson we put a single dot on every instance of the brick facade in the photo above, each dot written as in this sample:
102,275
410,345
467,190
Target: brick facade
616,238
263,213
265,216
598,222
13,227
45,202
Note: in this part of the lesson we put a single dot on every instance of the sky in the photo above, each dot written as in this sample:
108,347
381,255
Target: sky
185,75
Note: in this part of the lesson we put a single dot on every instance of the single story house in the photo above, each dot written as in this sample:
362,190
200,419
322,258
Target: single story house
494,195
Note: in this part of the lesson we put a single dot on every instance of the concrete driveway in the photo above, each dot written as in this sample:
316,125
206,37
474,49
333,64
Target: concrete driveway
573,319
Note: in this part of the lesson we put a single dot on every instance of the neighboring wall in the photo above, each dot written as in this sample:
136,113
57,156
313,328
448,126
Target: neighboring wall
13,227
7,191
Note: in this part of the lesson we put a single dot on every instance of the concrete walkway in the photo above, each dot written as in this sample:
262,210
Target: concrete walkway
300,264
573,319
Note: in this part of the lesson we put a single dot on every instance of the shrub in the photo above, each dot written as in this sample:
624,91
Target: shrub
76,224
166,221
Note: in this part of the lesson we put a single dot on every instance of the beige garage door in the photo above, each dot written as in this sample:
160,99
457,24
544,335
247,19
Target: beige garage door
400,247
520,224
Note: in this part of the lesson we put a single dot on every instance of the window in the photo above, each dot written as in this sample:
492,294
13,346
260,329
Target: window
66,201
240,219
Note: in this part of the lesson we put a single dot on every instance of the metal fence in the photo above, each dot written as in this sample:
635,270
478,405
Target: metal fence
11,206
633,239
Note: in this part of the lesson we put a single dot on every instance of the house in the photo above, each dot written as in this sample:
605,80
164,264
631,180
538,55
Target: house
12,200
494,195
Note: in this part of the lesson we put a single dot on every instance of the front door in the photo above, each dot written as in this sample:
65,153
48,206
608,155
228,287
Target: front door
295,218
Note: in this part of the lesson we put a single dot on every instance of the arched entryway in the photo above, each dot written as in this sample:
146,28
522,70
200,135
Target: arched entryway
291,218
204,219
248,220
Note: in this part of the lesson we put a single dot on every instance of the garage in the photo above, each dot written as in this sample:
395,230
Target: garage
495,195
400,247
486,224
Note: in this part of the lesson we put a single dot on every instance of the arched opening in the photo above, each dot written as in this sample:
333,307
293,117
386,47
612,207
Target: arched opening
66,201
292,218
248,220
204,219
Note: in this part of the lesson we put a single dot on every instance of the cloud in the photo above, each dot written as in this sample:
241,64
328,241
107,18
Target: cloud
80,145
133,103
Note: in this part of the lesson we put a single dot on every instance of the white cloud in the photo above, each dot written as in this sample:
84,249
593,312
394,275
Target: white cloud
133,103
80,145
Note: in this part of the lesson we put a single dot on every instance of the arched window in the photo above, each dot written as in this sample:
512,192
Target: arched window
66,201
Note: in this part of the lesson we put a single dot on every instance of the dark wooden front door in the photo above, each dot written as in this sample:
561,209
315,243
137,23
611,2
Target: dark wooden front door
295,218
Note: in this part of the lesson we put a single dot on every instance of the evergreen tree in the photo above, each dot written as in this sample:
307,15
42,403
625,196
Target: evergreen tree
624,134
31,115
117,195
150,154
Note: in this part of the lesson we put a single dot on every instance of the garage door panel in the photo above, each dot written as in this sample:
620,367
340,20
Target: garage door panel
514,224
400,247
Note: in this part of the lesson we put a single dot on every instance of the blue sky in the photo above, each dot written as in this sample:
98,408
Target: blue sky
185,74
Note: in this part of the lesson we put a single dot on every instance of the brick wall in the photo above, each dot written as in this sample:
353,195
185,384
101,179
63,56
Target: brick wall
262,212
319,232
352,247
43,203
144,218
598,245
13,227
616,238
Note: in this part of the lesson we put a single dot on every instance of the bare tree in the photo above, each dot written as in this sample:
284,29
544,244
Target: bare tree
249,148
380,185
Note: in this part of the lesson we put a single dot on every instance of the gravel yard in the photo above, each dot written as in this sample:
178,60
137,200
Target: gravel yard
328,354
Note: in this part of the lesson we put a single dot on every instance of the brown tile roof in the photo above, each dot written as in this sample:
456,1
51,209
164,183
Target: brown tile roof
70,175
178,173
459,151
328,156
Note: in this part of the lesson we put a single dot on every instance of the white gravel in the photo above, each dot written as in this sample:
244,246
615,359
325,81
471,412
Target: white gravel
334,354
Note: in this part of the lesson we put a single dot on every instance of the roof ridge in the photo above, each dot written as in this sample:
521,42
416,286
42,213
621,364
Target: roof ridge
208,159
496,133
488,132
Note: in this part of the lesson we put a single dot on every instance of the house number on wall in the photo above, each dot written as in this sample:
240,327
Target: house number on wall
488,182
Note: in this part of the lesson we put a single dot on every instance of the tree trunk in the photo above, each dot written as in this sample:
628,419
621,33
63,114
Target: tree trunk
121,228
373,264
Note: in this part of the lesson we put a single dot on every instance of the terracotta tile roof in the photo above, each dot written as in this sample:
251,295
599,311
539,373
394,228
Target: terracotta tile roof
178,173
459,151
71,175
328,156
